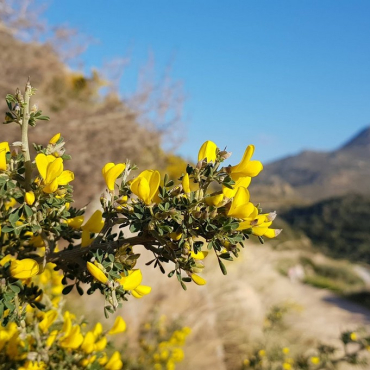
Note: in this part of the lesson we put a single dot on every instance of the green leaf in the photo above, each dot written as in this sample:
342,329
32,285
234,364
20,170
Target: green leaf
106,313
15,288
7,229
9,305
226,256
150,262
67,289
171,273
43,118
135,227
210,245
79,290
28,210
183,285
222,267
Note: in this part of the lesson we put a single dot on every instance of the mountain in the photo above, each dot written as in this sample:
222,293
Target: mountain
312,176
338,226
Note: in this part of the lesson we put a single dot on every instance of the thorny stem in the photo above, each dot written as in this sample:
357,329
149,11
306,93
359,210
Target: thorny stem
25,147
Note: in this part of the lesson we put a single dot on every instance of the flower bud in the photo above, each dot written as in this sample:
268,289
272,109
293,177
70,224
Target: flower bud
225,155
29,197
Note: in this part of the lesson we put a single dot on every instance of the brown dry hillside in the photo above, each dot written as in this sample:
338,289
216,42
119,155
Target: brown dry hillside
227,314
97,129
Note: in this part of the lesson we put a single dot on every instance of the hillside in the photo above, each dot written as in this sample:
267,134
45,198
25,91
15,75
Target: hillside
98,129
311,176
339,226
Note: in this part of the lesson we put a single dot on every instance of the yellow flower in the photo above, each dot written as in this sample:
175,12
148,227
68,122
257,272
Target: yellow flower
141,291
29,197
74,339
241,182
285,350
88,343
353,336
4,148
24,269
6,259
119,326
51,338
52,173
54,139
261,353
98,329
176,235
199,256
33,365
10,204
75,222
197,279
186,184
208,151
97,273
100,344
214,200
93,225
315,360
4,338
246,167
87,361
241,207
115,362
287,366
111,172
177,354
146,185
103,360
48,320
132,283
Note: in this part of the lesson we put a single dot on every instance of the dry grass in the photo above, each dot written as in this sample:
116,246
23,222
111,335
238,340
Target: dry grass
227,315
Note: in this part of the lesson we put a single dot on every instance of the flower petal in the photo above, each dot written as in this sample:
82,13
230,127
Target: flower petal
54,169
208,151
95,223
111,175
132,281
65,177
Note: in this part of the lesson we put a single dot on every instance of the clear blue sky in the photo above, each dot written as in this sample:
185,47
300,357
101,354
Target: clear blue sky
284,75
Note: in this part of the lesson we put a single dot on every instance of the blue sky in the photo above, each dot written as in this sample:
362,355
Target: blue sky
284,75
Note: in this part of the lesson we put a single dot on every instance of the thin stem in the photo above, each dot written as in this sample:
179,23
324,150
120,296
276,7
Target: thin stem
25,147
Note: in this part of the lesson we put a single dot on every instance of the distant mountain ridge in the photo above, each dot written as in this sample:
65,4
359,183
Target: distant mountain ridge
311,176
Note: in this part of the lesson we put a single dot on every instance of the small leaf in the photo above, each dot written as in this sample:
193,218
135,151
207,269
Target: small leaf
15,288
67,289
7,229
169,275
222,267
43,118
79,290
28,210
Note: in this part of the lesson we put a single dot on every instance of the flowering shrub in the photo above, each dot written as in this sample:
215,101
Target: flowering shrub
57,339
49,248
274,356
